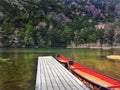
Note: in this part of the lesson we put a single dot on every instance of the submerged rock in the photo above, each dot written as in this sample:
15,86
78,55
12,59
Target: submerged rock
113,57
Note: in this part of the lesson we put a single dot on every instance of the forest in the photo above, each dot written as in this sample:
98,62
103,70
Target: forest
58,23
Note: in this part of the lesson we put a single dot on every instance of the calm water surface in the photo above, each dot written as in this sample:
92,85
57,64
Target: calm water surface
20,72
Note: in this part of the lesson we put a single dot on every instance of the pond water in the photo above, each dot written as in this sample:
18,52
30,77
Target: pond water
19,73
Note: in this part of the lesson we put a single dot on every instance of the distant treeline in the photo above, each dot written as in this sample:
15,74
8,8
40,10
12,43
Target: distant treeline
29,25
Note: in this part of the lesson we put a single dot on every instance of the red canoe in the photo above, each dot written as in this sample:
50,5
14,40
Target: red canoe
93,79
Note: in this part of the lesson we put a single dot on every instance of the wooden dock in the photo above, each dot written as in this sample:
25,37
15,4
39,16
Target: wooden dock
51,75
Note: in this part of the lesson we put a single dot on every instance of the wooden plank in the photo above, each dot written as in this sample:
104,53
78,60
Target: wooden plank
51,75
61,78
72,81
43,78
46,74
56,78
38,78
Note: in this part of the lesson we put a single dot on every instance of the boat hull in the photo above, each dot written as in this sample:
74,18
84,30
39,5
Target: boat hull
93,79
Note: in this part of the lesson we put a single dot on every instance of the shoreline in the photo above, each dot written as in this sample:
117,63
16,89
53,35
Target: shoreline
104,47
96,47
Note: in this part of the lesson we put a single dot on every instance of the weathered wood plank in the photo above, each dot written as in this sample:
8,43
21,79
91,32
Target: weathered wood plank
61,78
46,75
38,78
51,75
56,81
43,78
74,84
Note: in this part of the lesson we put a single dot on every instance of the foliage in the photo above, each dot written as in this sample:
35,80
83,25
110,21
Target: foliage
100,35
28,39
109,35
27,24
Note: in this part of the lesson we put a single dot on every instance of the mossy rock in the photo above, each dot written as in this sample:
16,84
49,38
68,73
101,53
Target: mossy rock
5,59
113,57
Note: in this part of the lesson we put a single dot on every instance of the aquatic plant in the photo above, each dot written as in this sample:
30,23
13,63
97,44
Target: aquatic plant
5,59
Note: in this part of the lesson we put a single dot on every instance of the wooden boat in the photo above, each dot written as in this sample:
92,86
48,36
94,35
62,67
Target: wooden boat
92,78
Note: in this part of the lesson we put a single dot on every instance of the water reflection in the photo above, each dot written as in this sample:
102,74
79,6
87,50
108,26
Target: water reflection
20,72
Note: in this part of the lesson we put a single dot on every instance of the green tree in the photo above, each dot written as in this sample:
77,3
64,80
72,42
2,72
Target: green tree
85,35
100,34
40,37
28,39
60,36
109,35
6,34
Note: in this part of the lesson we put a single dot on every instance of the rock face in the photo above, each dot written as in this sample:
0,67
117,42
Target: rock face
100,8
93,6
72,16
35,1
60,17
1,14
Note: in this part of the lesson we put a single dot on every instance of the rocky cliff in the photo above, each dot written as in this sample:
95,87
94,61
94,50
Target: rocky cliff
54,23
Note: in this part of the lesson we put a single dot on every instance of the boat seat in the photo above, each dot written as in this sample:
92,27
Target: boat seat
78,68
114,86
